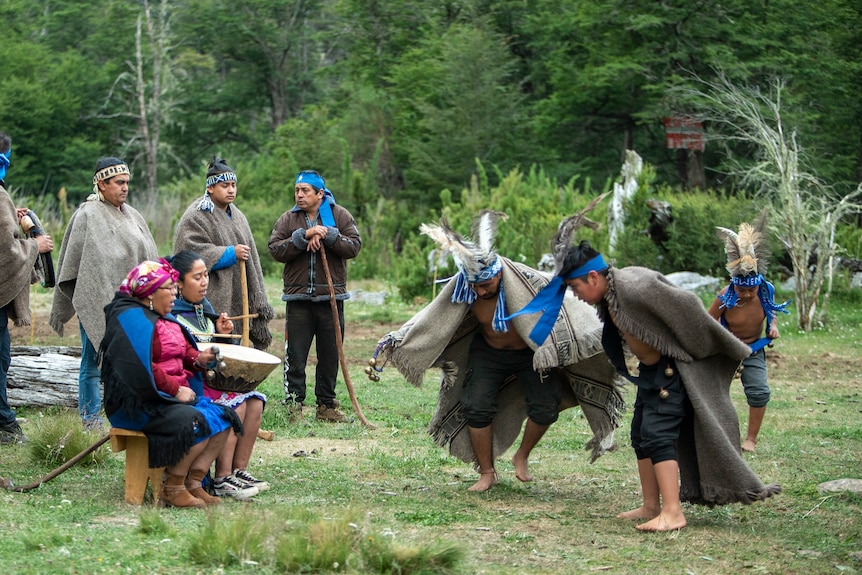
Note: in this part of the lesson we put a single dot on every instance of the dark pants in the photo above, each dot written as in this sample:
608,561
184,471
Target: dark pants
487,371
656,422
7,416
308,320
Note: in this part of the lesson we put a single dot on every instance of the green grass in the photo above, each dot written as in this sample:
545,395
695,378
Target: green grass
347,499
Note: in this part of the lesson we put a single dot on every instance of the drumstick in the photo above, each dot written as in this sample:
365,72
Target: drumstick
235,317
202,334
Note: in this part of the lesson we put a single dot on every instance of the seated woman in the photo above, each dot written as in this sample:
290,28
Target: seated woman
194,312
151,371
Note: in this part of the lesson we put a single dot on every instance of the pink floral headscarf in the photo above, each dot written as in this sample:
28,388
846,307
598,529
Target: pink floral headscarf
146,277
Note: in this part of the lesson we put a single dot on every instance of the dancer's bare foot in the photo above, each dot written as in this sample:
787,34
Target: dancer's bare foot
487,479
642,512
522,471
664,522
749,444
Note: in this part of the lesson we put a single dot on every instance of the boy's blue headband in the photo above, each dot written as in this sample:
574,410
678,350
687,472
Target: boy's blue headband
594,265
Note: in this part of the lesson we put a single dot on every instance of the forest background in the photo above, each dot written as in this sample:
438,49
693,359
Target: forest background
414,110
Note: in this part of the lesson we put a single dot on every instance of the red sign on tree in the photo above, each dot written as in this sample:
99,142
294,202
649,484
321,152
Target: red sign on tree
684,133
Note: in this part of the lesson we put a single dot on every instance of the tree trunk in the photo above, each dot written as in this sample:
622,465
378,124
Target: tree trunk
44,376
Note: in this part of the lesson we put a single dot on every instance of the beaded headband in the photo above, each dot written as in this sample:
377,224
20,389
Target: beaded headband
110,172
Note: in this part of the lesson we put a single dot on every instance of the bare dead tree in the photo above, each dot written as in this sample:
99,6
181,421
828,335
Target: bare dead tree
804,210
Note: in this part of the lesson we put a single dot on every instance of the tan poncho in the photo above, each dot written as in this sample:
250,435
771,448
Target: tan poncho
101,245
17,258
209,234
440,336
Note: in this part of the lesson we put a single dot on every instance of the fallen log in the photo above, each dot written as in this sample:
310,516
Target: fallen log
44,376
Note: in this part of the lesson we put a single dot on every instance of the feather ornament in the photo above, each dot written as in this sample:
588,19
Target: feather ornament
564,238
485,228
747,250
468,256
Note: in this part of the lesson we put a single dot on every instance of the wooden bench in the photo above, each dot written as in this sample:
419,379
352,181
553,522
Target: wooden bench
138,470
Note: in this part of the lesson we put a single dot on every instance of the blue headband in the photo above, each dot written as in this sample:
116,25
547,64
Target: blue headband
5,158
463,293
747,281
594,265
316,182
549,300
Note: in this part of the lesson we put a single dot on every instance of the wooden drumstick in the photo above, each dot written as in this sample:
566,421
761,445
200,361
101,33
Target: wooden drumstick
236,317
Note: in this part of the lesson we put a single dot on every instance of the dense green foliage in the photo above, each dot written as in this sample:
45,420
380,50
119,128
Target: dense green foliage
521,104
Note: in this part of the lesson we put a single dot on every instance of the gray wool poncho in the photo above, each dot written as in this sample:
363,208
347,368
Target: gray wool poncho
646,305
209,234
101,245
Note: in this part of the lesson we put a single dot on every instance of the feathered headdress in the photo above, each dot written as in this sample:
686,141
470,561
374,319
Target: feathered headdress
550,299
747,251
477,261
747,260
472,258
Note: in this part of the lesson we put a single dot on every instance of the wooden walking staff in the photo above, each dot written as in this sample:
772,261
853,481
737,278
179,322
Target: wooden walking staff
340,344
246,341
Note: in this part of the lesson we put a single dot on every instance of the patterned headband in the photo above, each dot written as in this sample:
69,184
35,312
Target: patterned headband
223,177
110,172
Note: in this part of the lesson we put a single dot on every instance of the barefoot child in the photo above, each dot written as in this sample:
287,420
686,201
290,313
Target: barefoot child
747,308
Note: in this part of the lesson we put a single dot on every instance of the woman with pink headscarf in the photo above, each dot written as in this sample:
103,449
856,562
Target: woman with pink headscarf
151,370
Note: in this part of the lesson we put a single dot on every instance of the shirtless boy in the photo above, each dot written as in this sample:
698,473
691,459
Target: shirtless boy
747,308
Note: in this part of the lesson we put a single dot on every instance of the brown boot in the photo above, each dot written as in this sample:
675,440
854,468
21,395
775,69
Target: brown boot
174,493
193,484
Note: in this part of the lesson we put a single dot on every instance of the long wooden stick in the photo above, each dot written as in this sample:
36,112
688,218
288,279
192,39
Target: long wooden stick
245,338
61,469
340,344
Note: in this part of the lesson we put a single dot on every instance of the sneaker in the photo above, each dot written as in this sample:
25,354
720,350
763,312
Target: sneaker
250,480
332,413
11,433
230,486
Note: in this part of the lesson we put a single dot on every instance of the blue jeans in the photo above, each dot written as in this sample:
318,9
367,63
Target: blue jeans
89,377
7,416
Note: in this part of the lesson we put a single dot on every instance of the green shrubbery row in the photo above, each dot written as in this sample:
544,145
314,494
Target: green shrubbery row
396,254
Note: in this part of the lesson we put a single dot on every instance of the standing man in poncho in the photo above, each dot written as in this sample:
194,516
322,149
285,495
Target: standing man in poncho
218,231
105,238
17,257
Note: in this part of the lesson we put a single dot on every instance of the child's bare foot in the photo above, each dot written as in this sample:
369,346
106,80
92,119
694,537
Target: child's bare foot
642,512
487,479
522,472
749,444
664,522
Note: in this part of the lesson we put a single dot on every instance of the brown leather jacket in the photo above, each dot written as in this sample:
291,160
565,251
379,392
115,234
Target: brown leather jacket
304,277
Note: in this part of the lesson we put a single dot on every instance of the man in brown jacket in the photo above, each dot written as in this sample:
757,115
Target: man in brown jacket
17,258
314,224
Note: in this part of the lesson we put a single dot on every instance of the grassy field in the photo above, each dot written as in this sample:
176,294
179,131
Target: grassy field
391,483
